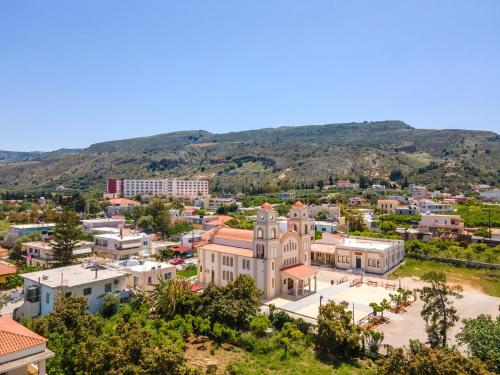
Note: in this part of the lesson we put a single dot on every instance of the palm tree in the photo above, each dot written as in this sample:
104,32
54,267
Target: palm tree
384,305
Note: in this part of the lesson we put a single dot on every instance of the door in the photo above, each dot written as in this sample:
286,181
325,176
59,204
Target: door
358,262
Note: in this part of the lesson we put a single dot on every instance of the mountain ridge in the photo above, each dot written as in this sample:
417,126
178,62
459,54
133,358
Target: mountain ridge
283,157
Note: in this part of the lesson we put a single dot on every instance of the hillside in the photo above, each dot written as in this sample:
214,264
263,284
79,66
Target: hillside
290,156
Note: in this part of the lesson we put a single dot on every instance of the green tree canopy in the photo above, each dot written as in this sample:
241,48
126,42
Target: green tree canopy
66,235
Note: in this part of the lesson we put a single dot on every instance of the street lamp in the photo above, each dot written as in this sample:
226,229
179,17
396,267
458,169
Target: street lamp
320,298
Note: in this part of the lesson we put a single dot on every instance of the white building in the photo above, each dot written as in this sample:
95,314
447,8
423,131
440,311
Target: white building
90,224
122,246
165,187
325,226
332,211
373,255
437,223
192,237
41,254
89,280
429,206
22,351
146,274
493,195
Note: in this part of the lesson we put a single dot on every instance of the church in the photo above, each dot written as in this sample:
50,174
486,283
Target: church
278,262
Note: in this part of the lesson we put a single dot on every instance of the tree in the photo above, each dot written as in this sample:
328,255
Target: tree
355,221
481,335
337,335
171,297
235,305
67,233
380,307
259,325
438,311
4,298
401,296
419,359
372,341
388,227
159,211
288,337
145,222
110,305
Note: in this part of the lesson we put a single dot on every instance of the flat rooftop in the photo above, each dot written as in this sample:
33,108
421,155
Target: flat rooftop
101,220
28,226
73,275
149,265
366,244
125,237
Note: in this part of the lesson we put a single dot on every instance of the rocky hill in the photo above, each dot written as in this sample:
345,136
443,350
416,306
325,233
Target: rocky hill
284,156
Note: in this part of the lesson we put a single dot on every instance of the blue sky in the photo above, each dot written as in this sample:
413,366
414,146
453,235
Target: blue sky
75,73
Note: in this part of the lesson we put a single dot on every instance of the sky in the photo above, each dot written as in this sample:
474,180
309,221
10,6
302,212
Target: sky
73,73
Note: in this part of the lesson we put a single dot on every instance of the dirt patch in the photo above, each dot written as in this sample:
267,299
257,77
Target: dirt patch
202,353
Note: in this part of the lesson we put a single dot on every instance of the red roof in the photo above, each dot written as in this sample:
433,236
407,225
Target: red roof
123,202
180,248
299,271
298,204
15,337
236,234
7,269
266,206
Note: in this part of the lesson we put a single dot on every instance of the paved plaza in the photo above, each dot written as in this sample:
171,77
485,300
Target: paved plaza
358,297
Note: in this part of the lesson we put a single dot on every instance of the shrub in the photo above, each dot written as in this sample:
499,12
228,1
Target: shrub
259,325
110,305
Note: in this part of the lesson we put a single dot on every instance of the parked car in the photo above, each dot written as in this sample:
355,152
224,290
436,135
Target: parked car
187,254
177,261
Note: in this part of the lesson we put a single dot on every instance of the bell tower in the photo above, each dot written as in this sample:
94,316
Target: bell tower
266,249
266,232
300,222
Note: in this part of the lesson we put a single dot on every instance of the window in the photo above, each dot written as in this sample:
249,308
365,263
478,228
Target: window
33,294
168,275
107,288
67,294
231,261
47,298
87,291
231,277
378,263
150,279
213,258
272,266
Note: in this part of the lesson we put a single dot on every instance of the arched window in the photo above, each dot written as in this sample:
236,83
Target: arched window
306,229
260,233
294,227
273,233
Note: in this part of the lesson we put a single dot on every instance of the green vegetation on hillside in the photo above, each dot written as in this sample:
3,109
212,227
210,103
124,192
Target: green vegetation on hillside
270,160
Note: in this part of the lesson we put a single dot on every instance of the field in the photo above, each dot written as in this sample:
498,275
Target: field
485,280
201,352
189,272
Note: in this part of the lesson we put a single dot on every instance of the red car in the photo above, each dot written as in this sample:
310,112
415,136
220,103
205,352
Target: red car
177,261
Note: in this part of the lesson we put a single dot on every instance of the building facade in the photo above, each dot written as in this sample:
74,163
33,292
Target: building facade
278,262
441,223
41,254
122,246
165,187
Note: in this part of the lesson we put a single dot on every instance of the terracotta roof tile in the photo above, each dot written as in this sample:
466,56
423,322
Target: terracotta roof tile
15,337
229,250
7,269
299,271
266,206
237,234
298,204
123,202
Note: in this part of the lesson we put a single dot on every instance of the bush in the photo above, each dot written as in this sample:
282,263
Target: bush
110,305
259,325
247,341
222,333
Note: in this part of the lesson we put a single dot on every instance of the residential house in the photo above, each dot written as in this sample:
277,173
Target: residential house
429,206
347,184
325,226
6,271
91,224
41,253
190,238
90,280
331,211
407,210
145,274
387,206
22,351
120,206
419,192
437,223
357,201
122,246
20,230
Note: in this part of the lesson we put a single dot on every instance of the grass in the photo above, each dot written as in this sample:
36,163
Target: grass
305,362
486,280
189,272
